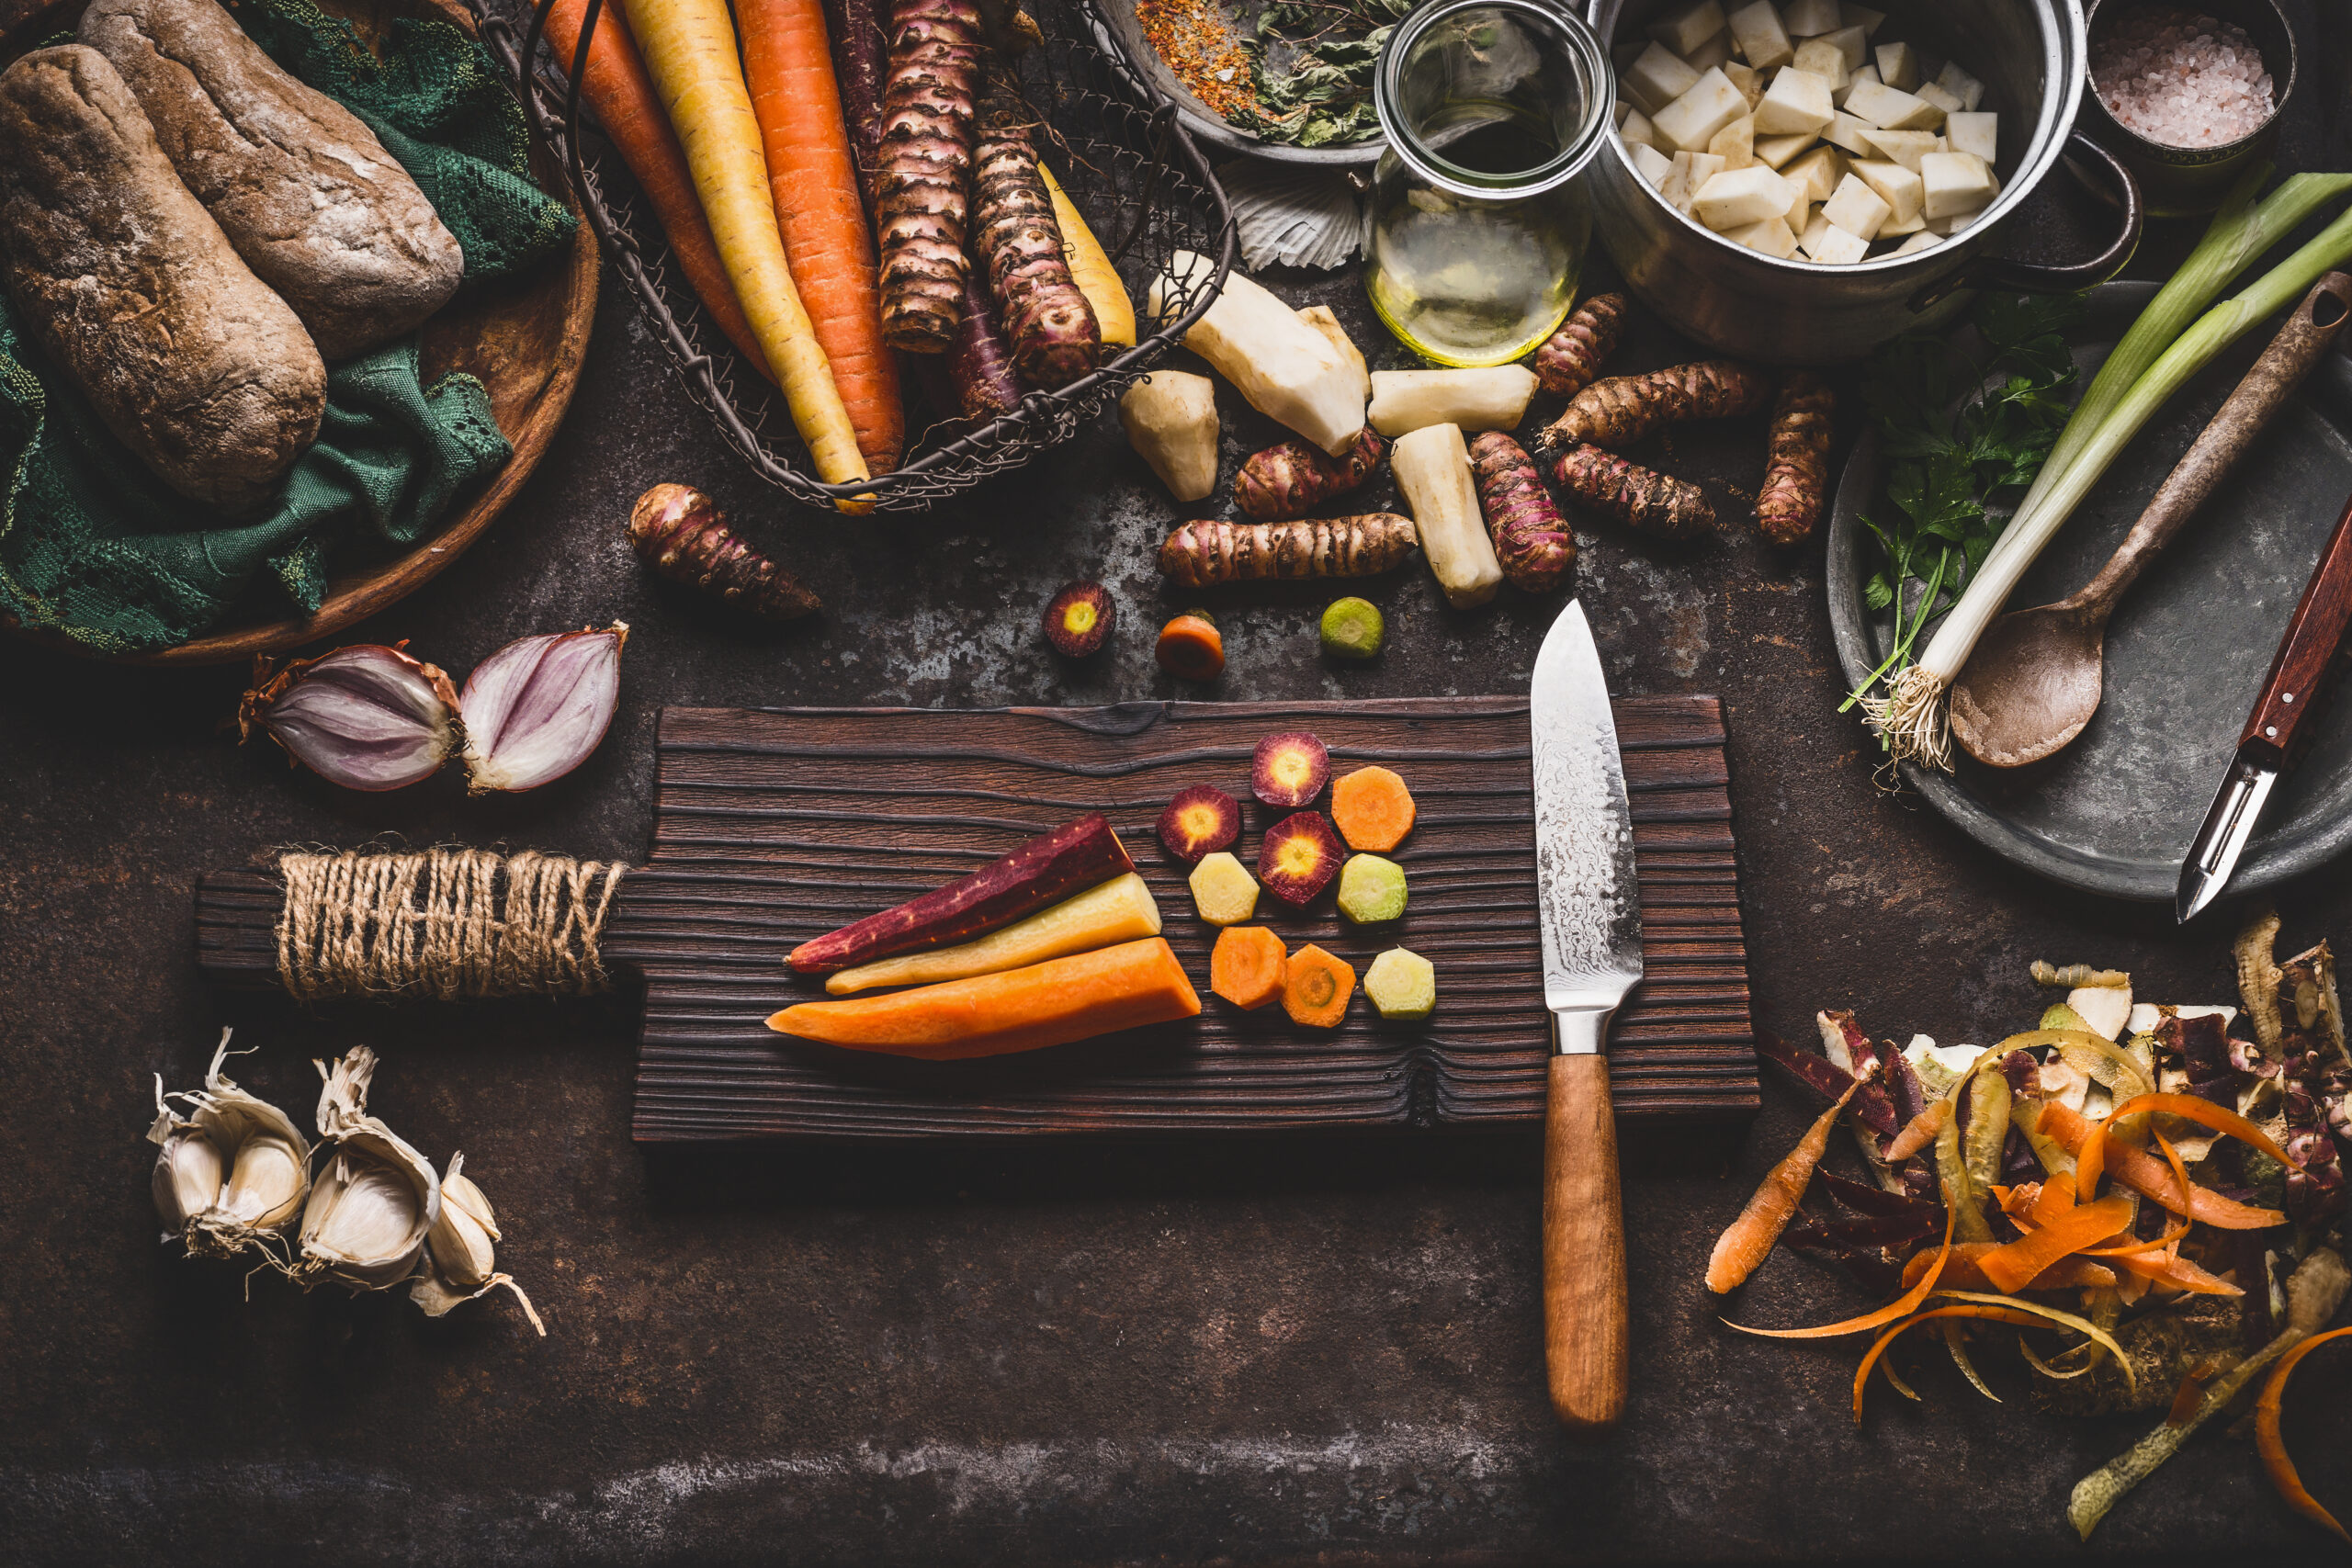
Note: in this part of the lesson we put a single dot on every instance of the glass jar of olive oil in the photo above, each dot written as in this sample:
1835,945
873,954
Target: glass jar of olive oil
1478,225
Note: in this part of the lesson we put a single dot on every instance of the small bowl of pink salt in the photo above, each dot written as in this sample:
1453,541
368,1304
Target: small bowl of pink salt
2187,95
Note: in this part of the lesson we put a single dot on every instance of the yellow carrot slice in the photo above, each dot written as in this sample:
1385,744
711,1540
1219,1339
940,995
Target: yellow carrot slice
689,50
1749,1239
2266,1437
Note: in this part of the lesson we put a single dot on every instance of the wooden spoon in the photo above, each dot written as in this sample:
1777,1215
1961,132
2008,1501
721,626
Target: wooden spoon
2034,681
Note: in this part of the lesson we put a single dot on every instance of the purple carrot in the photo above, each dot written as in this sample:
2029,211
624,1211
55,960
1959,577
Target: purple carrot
861,60
979,361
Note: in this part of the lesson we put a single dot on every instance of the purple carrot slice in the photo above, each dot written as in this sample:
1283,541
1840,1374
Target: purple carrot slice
1044,871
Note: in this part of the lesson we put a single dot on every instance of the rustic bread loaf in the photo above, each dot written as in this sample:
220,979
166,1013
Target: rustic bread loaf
306,192
133,289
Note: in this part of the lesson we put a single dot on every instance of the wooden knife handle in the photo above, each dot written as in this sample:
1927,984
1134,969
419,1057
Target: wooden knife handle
2307,656
1584,1248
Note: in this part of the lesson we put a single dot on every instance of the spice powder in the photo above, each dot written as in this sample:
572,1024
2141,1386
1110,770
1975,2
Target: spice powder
1193,40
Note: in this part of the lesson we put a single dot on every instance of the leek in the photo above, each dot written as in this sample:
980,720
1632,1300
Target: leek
1915,721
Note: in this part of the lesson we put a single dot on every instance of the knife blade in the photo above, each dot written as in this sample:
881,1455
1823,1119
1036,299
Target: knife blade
1589,907
2308,658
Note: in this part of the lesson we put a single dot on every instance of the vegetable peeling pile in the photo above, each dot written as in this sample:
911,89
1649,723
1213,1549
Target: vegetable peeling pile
2146,1200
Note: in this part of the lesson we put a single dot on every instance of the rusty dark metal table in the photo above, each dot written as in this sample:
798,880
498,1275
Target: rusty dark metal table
1304,1351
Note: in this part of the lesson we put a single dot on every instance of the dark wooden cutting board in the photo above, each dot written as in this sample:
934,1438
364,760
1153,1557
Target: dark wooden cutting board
773,827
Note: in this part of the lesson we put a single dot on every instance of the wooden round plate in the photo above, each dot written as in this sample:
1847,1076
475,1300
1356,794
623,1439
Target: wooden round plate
523,338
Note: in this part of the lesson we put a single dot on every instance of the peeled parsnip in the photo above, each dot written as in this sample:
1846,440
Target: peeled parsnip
1170,420
1433,469
1493,399
1287,368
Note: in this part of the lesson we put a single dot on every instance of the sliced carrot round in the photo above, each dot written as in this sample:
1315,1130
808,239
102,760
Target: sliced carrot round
1372,809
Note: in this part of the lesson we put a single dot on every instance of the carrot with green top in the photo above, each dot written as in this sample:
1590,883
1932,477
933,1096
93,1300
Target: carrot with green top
813,180
689,52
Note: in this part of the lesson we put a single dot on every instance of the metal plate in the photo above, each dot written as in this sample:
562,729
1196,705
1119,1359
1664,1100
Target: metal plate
2187,648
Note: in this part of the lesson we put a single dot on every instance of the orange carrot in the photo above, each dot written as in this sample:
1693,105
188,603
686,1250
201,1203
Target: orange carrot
2273,1446
2144,1173
1051,1003
1962,1273
1919,1131
1315,987
616,87
790,68
2016,1265
1245,966
1965,1309
1747,1241
1372,809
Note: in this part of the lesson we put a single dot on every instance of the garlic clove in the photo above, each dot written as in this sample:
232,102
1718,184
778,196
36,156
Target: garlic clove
366,718
188,1169
372,1207
265,1186
460,1263
536,708
233,1172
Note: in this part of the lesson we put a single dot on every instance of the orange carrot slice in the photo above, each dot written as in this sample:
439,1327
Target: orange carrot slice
1372,809
1749,1239
1245,966
2273,1447
1315,987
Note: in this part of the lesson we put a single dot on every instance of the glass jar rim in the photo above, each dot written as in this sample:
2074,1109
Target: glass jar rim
1554,172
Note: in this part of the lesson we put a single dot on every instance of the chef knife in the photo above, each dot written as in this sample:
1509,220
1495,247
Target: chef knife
1591,917
2307,661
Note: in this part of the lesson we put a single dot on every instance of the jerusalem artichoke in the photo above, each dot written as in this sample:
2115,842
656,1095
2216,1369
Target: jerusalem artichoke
1615,412
677,532
1055,336
1637,496
1571,359
1796,472
1293,478
1532,542
1201,555
927,133
1170,420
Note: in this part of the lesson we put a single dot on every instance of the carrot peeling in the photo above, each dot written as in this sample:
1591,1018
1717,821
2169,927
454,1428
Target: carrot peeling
1919,1131
1878,1346
2144,1173
2273,1447
2014,1266
1749,1238
1962,1271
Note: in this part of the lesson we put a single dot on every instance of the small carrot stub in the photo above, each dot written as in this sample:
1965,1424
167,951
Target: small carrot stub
1748,1240
1372,809
1191,648
1315,987
1247,966
2273,1446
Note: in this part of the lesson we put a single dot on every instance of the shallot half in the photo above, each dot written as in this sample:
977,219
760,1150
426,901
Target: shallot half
372,718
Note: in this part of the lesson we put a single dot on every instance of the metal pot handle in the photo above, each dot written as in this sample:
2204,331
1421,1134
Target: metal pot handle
2031,277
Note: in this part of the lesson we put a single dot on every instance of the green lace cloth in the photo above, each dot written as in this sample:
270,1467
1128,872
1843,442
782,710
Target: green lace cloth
94,546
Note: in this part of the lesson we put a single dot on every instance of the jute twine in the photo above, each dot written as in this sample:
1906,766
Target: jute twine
451,924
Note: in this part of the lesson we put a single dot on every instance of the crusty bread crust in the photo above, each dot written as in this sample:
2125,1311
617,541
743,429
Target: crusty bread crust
133,289
302,188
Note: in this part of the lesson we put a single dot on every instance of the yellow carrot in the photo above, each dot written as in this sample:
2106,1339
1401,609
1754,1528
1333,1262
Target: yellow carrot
1115,312
689,50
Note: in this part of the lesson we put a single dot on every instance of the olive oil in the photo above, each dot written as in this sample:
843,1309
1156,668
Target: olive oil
1472,280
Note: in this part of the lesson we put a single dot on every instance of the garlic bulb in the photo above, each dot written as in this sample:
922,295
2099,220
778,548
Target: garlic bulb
459,1262
366,718
376,1201
233,1174
536,709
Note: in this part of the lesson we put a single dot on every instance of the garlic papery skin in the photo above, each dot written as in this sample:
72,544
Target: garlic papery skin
253,1158
366,718
376,1200
460,1261
536,708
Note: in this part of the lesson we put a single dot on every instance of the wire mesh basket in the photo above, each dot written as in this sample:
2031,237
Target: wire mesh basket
1135,175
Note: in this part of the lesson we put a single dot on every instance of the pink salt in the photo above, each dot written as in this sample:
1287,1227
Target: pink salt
2179,78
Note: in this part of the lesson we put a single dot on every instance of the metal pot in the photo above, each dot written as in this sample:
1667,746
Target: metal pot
2030,55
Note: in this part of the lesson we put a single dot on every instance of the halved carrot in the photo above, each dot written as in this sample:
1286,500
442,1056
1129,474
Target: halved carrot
1315,987
1051,1003
689,50
1247,964
1749,1239
790,68
2017,1264
1372,809
616,87
2266,1438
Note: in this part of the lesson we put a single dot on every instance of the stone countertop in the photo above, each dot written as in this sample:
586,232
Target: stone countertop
1297,1349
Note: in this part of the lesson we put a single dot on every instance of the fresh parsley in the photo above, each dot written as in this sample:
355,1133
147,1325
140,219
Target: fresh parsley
1953,452
1311,69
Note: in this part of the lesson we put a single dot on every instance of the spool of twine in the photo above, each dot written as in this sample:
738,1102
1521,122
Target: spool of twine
451,924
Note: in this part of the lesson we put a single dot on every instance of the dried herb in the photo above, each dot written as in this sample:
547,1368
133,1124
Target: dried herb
1311,66
1952,453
